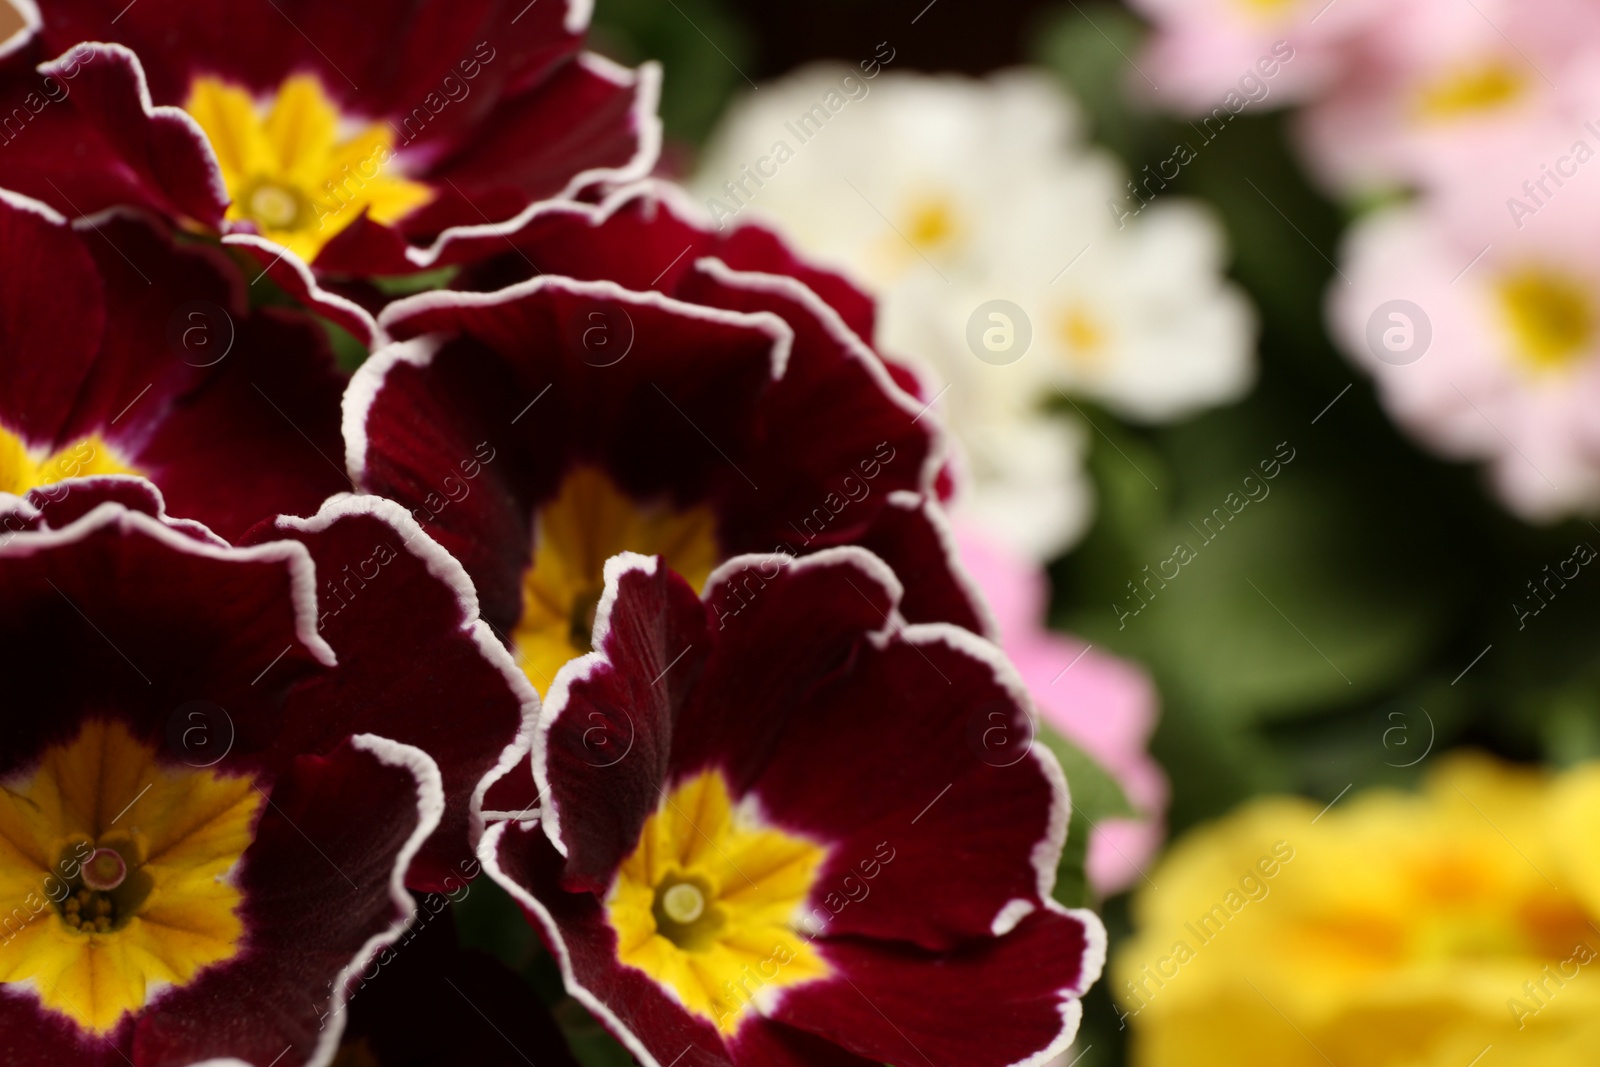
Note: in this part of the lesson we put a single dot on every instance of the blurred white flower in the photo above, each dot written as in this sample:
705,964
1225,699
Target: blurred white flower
941,194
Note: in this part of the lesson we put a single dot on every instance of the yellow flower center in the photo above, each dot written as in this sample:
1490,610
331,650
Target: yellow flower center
589,521
709,903
113,874
1470,91
1267,8
932,222
274,206
290,172
683,903
21,470
1083,335
927,225
1551,317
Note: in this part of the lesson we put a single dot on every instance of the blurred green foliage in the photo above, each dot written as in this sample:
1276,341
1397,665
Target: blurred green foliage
700,45
1353,596
1096,796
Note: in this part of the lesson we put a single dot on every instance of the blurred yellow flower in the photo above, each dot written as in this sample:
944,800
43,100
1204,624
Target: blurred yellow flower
1456,926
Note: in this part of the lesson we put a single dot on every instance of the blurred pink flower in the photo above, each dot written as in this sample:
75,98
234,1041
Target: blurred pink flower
1106,705
1498,356
1437,88
1204,53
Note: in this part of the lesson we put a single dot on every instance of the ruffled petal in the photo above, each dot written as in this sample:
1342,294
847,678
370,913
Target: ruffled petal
371,73
339,831
98,142
120,611
430,675
233,413
1006,1002
606,736
51,301
923,734
473,425
591,121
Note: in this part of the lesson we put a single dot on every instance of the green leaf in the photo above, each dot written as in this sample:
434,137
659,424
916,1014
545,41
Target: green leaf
1072,875
397,285
704,47
488,919
590,1043
347,351
1096,796
1094,790
1285,606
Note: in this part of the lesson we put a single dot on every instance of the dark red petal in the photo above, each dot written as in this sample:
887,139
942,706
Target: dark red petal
997,1003
261,437
521,393
118,611
819,488
630,239
31,1036
290,273
911,534
762,1042
322,885
104,145
606,732
63,503
753,247
435,450
651,236
590,121
51,302
377,59
781,627
362,248
233,413
231,434
141,368
637,1011
882,744
436,1003
415,664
